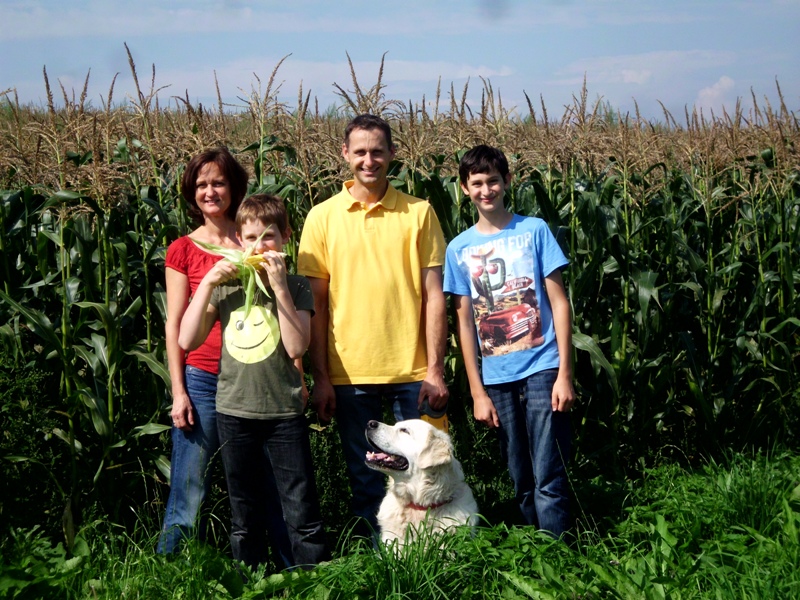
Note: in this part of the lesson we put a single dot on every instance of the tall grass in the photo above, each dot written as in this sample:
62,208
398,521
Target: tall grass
677,536
683,239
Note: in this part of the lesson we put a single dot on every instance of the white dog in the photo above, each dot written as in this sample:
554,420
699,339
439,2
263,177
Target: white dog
425,479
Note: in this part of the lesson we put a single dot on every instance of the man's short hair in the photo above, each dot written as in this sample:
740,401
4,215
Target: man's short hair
368,123
264,208
482,159
234,173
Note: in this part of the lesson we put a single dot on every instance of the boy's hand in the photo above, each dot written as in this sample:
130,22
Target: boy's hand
563,395
274,268
484,409
221,272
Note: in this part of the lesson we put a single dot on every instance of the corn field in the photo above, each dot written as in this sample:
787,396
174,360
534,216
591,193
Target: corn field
682,236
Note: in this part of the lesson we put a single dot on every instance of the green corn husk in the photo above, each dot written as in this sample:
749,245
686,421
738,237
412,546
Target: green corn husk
243,259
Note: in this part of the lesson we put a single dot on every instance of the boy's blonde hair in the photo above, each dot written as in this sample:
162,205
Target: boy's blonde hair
265,208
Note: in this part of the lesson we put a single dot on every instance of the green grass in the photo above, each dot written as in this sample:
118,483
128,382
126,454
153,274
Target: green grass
727,530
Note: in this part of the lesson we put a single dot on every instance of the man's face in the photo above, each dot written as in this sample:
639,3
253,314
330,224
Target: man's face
369,156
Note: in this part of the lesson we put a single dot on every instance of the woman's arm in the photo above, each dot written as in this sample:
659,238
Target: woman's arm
177,299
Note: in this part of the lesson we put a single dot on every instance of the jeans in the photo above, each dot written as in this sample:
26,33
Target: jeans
190,473
355,406
248,447
536,442
192,451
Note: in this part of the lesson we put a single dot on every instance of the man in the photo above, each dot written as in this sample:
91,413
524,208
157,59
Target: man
374,258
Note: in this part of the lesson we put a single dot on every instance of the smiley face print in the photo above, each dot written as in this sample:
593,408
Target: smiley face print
253,339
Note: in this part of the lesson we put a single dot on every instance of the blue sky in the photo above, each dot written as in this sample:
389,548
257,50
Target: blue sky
702,53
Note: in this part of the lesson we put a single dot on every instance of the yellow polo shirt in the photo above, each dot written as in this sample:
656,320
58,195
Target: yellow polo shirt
372,260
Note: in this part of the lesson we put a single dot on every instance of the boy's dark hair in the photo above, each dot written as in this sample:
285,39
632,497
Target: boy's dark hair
265,208
368,122
482,159
230,167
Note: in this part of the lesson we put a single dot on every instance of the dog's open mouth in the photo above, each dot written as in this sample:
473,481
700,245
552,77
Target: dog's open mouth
385,460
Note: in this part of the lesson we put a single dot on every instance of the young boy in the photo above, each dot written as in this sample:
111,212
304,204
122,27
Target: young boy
504,275
260,404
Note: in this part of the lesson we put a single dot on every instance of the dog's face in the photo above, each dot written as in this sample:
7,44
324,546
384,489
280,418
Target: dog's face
406,447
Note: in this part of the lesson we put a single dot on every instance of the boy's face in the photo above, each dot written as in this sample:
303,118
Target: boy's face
486,190
273,238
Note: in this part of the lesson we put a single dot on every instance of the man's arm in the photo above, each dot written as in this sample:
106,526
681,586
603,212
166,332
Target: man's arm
563,396
323,398
482,406
434,308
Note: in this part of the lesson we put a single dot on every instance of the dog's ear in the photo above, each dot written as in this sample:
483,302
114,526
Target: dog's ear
437,451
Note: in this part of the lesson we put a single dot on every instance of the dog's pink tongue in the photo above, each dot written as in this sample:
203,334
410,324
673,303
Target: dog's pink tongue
377,455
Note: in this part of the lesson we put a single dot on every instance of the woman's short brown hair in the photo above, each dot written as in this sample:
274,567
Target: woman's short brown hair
230,167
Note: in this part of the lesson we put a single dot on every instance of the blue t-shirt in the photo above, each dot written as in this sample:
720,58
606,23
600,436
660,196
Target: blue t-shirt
503,274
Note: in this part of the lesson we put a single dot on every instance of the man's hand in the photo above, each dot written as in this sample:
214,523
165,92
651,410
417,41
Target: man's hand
324,400
563,395
434,389
182,413
484,409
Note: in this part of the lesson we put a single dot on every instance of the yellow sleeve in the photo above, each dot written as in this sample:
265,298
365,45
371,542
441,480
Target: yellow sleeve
312,254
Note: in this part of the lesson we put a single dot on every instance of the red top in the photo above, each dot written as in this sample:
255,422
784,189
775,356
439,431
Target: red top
186,257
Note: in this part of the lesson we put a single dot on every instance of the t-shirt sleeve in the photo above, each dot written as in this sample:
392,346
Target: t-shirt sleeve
455,279
215,297
303,296
311,256
552,257
176,256
432,246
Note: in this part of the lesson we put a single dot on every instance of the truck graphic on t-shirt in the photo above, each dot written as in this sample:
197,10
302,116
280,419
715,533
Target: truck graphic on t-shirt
506,310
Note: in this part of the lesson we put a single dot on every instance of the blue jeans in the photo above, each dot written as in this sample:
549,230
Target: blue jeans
536,442
248,447
190,472
192,451
355,406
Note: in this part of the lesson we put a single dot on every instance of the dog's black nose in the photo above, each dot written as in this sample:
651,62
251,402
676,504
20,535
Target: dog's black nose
372,425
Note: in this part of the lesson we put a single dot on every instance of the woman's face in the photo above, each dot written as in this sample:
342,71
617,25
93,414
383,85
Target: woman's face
212,192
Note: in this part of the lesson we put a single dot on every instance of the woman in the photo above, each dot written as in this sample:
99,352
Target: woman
213,186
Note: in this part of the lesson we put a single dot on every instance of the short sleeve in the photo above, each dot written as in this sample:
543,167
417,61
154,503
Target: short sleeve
431,246
303,297
455,281
311,256
552,257
177,256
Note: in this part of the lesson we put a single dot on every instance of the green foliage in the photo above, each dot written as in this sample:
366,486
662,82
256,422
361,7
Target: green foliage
29,452
680,536
683,280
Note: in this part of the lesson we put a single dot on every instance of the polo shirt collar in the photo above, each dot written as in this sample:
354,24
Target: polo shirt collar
389,200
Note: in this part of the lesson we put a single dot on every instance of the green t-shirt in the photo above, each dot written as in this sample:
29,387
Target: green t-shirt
257,379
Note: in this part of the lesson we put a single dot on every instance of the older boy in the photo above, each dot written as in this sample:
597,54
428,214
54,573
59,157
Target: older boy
504,275
260,402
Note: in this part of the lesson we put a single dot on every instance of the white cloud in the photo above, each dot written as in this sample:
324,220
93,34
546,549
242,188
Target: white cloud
640,69
717,95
